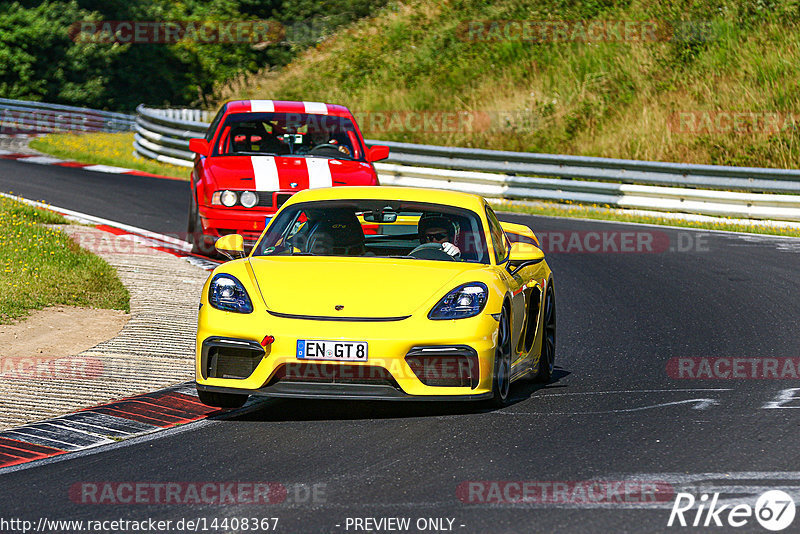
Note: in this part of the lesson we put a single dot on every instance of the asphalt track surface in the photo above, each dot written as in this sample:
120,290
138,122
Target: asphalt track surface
613,412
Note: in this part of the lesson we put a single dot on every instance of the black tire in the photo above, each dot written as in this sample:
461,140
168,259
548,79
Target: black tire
201,243
221,400
547,357
501,376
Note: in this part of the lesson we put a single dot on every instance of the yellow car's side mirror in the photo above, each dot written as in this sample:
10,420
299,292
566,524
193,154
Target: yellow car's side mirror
231,246
522,255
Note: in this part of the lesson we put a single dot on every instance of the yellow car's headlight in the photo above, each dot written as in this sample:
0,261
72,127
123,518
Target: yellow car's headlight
467,300
228,294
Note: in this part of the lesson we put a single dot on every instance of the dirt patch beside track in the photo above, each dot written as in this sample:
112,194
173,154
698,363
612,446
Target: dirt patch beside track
96,360
60,331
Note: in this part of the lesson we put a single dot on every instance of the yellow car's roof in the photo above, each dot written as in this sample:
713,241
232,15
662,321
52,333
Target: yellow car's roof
413,194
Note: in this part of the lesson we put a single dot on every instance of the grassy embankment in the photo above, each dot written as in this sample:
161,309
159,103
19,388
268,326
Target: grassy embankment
618,98
659,99
41,266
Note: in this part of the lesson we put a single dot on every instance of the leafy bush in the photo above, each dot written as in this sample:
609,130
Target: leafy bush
40,61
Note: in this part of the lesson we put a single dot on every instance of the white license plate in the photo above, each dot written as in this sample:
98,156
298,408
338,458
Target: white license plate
340,351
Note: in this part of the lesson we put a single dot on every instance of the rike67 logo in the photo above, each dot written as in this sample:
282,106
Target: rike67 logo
774,510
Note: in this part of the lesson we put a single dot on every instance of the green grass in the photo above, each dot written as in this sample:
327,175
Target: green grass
104,149
611,214
611,99
40,266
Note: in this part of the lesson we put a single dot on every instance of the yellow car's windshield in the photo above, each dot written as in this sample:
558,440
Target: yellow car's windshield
376,228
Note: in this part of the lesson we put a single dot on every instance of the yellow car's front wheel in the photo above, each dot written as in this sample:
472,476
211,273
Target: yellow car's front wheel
501,382
548,352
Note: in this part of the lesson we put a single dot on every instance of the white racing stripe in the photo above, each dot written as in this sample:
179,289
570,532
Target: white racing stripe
262,106
319,173
266,173
318,108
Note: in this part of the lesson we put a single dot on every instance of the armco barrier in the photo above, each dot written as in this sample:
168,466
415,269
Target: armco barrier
163,134
28,117
741,192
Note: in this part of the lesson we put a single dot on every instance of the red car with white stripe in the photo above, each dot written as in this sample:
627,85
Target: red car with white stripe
257,153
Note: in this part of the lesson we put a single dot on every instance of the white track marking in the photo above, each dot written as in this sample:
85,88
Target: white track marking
784,397
42,160
632,391
106,168
700,404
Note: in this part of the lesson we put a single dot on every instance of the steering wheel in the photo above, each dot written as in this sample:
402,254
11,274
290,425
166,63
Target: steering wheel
431,251
325,145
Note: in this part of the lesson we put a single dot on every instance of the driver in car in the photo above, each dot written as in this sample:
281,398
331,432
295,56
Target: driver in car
439,229
343,148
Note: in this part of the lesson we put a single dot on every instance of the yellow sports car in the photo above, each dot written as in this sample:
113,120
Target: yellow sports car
377,293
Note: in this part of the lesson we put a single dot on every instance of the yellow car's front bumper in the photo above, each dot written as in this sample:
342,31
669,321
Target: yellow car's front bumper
457,355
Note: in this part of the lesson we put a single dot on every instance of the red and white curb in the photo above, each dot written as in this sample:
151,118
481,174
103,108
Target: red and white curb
49,160
102,425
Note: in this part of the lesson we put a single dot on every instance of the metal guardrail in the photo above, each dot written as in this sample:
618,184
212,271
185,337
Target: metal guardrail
742,192
163,134
28,117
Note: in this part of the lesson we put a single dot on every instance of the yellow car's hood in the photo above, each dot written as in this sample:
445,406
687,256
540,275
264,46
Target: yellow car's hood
364,287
